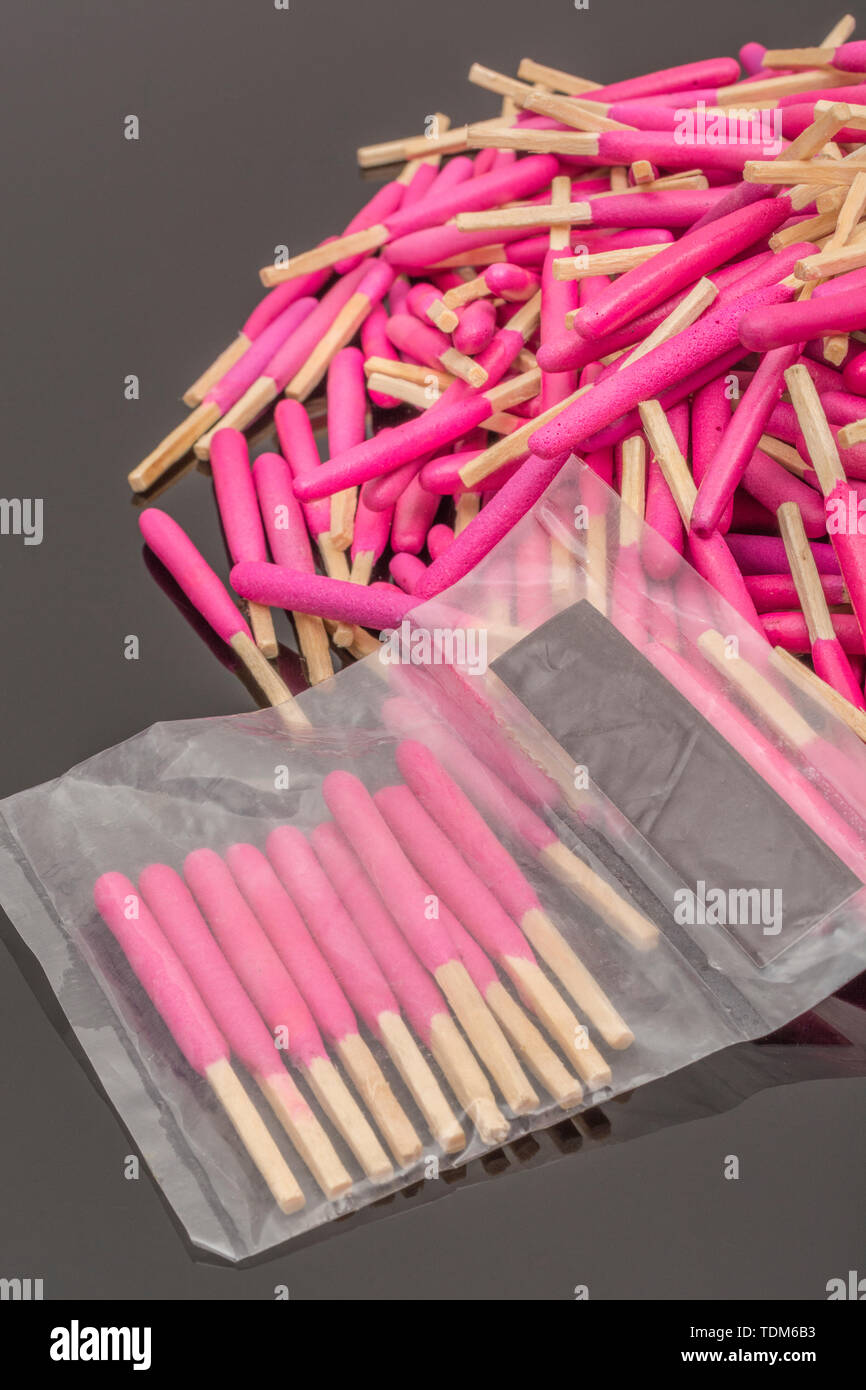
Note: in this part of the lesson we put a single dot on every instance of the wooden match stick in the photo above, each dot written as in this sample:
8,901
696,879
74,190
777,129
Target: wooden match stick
771,89
761,694
553,77
170,543
815,173
560,197
527,215
686,312
665,448
820,443
852,434
196,393
466,508
173,447
514,445
606,262
601,896
412,372
785,454
370,291
632,489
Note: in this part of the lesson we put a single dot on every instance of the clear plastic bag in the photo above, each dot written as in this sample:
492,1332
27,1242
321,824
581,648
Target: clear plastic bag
690,823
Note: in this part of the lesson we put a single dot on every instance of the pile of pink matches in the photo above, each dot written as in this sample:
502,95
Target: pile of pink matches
666,277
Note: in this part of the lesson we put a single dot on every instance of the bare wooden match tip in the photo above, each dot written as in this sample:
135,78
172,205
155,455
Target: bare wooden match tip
585,116
601,896
172,449
315,647
306,1134
458,364
255,1136
355,244
569,969
525,215
466,1079
442,314
347,1117
269,681
632,489
262,626
852,434
343,506
605,262
379,1099
486,1036
449,141
559,81
560,1020
195,394
531,141
421,1082
798,57
340,332
689,309
536,1053
807,580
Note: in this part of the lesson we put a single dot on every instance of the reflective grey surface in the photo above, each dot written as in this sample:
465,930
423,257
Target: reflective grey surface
140,257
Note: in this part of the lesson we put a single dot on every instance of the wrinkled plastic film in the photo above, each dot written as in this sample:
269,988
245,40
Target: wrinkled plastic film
569,687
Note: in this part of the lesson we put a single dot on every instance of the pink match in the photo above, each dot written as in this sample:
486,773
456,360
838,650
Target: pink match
236,496
442,865
331,926
175,909
416,991
159,971
251,955
695,253
202,587
282,515
366,605
398,883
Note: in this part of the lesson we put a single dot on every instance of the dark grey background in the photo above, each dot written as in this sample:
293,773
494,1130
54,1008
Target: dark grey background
140,257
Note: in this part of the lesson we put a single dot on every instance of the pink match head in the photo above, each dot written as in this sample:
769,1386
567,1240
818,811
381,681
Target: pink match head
236,496
508,281
281,513
160,971
170,543
414,988
175,909
331,926
476,327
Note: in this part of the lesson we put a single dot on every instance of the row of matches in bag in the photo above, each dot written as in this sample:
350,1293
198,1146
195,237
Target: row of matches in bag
250,950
